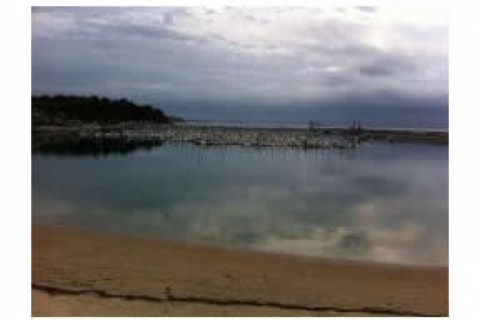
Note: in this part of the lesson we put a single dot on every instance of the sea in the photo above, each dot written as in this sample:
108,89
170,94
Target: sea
380,202
370,117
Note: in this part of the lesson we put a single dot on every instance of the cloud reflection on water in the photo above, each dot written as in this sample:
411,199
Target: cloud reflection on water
382,205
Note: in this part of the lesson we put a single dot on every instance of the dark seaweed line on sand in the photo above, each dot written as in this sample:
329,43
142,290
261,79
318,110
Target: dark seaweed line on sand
52,290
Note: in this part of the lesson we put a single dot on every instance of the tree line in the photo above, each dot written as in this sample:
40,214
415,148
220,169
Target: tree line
60,108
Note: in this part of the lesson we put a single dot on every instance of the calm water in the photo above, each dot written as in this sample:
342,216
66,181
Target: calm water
381,202
371,116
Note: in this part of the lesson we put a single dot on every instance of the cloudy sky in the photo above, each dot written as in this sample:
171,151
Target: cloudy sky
185,57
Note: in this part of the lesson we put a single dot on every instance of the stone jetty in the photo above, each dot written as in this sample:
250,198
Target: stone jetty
207,136
339,138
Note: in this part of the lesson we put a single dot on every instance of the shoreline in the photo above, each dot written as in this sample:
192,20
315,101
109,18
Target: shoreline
130,135
85,273
237,249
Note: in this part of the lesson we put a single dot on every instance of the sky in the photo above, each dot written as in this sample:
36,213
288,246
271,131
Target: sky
239,58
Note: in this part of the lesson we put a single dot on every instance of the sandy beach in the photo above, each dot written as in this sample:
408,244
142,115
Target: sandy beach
79,273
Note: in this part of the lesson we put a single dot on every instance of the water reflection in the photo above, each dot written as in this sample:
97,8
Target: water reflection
75,146
381,203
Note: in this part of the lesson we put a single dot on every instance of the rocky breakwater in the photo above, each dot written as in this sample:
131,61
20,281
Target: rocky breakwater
201,136
215,136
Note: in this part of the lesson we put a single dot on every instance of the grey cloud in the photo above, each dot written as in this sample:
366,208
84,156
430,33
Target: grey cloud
111,26
168,18
368,9
388,65
154,32
160,60
376,70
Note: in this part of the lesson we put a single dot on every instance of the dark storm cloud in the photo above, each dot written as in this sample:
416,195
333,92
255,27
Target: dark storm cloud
239,57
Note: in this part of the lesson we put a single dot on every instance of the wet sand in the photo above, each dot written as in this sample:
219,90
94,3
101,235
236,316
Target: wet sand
79,273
